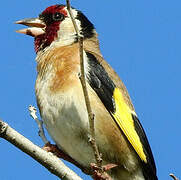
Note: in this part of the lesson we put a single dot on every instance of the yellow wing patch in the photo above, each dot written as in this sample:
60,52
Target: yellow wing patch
124,119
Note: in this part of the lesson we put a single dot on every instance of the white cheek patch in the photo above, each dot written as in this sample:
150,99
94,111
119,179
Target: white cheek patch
75,13
68,22
67,33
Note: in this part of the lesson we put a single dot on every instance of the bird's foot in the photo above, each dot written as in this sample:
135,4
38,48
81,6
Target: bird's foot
99,173
59,153
53,149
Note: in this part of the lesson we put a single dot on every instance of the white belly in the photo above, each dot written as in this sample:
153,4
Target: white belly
66,120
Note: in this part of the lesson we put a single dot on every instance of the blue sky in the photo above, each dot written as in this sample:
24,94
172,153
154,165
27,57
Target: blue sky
140,39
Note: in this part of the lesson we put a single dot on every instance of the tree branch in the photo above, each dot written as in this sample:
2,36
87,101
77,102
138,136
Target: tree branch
48,160
174,177
85,91
41,132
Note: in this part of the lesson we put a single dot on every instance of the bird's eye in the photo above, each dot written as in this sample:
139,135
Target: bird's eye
58,16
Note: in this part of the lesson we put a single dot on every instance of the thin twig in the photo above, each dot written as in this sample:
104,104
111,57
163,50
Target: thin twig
41,132
48,160
84,87
73,21
174,177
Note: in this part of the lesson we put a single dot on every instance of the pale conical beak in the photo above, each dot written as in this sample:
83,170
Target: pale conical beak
36,26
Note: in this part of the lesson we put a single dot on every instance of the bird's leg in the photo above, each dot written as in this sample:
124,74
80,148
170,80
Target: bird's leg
59,153
96,172
100,174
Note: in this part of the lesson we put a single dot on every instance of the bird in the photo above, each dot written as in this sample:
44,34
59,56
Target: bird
119,134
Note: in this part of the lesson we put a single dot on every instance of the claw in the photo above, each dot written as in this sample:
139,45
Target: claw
59,153
53,149
100,173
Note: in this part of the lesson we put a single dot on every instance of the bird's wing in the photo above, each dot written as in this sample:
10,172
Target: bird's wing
115,98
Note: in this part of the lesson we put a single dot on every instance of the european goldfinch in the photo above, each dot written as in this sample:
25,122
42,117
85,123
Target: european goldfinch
119,134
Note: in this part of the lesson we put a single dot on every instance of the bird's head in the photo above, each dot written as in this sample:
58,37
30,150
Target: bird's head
54,25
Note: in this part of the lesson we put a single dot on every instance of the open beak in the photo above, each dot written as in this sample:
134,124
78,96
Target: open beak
35,28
